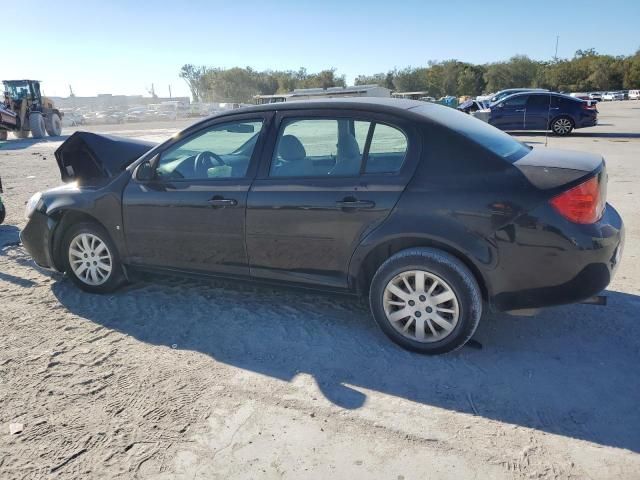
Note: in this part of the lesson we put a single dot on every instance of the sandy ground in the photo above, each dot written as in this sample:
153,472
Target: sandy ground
175,378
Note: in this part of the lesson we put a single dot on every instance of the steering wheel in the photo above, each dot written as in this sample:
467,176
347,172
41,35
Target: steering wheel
204,161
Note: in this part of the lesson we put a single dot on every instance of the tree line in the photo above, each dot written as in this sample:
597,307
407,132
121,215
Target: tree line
586,71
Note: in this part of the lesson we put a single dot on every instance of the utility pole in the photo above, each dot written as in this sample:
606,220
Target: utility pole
555,57
170,91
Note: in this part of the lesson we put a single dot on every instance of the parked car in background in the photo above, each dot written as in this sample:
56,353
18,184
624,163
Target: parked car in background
585,97
634,94
385,198
471,106
597,96
542,111
510,91
610,96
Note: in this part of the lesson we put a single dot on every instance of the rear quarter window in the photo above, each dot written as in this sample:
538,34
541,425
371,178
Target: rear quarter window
387,150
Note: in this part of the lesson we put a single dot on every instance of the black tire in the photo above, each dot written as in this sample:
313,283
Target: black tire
54,125
562,126
448,268
3,212
37,125
3,135
116,277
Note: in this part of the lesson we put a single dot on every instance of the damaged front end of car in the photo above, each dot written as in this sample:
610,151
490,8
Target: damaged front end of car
89,157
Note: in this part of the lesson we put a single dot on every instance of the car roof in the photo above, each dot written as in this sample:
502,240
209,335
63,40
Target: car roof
555,94
393,106
413,110
359,103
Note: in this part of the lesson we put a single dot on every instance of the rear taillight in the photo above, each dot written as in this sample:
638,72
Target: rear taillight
584,203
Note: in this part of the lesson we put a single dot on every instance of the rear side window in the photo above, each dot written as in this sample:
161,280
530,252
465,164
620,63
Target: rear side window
387,150
336,147
538,101
319,148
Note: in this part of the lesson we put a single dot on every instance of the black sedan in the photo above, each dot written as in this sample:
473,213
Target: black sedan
434,215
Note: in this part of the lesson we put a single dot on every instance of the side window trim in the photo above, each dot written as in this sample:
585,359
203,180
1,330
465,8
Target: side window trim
367,146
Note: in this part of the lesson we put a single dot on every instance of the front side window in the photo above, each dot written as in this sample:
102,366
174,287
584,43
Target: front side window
518,101
222,151
319,148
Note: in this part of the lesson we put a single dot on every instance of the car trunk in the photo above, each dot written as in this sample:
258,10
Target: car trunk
550,169
89,157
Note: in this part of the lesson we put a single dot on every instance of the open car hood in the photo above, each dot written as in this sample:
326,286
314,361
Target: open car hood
87,157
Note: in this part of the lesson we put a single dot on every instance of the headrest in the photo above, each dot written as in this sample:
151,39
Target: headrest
290,149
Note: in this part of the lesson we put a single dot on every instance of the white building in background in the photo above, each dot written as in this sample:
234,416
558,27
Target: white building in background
331,92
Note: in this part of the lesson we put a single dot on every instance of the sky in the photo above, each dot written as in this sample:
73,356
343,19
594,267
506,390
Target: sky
125,46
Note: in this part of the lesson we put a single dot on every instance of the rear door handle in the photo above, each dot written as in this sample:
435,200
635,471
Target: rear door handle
523,110
222,202
353,203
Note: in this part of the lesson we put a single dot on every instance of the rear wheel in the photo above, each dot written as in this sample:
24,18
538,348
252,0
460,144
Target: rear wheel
91,259
3,212
54,125
3,135
36,124
426,300
562,126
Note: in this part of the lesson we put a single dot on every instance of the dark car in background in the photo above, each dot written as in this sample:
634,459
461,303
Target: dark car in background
433,215
542,111
510,91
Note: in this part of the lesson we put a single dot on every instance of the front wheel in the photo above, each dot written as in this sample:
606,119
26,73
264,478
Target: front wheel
426,300
37,125
562,126
91,259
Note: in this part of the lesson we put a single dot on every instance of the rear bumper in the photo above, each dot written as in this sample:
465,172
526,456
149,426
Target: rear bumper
37,238
587,121
559,263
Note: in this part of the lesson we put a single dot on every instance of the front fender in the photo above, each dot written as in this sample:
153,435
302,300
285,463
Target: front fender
69,204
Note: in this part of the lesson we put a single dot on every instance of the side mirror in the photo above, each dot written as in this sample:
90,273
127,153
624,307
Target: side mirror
144,173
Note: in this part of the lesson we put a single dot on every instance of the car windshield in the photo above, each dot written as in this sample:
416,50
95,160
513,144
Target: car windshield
497,141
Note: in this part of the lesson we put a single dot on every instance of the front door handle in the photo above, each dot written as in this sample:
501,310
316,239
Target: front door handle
353,203
218,201
522,110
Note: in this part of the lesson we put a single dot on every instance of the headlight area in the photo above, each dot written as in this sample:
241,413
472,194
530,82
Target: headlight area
34,203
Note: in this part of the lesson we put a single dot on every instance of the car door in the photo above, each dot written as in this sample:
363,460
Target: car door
538,111
190,215
325,180
509,113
